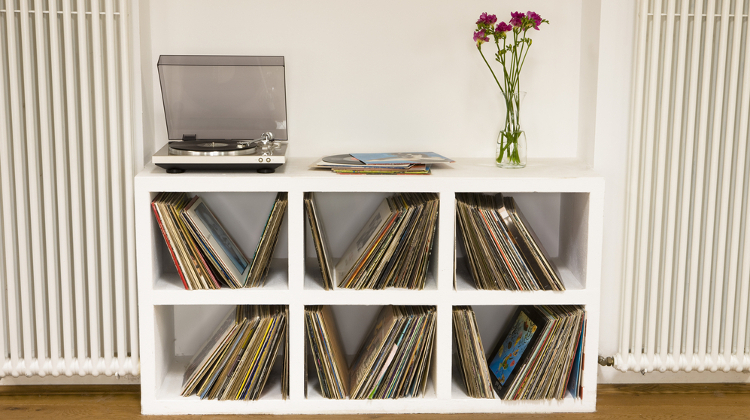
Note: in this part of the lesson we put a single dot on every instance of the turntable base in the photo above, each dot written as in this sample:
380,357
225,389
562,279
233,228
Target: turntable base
182,167
263,163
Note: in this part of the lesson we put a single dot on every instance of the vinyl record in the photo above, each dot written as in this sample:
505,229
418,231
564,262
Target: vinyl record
342,160
210,148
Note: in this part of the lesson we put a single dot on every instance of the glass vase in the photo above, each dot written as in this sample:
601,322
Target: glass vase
511,141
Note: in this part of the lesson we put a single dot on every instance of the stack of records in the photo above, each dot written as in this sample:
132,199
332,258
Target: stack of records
285,370
267,244
472,362
540,356
393,248
235,363
320,240
394,359
502,250
412,163
328,354
202,250
365,169
191,265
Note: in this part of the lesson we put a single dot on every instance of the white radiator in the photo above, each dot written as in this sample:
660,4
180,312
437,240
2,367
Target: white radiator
67,257
687,252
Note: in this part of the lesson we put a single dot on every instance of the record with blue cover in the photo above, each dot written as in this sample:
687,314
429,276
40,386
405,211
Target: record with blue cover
343,160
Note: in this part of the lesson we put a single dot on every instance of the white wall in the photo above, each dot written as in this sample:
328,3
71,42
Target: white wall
610,156
381,75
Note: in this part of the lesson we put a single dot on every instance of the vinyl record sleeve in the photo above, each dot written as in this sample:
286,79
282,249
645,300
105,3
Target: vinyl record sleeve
419,386
322,250
506,208
574,382
204,271
410,354
363,241
233,358
343,160
217,240
538,255
221,336
401,158
488,260
212,376
390,368
267,244
388,319
325,341
472,360
285,370
516,344
189,258
168,240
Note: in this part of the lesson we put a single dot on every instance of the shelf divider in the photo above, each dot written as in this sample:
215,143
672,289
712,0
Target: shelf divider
296,223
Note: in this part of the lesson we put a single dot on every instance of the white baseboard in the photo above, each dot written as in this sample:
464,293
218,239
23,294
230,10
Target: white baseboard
610,375
71,380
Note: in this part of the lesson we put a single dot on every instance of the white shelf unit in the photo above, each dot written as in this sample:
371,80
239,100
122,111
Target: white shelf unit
562,200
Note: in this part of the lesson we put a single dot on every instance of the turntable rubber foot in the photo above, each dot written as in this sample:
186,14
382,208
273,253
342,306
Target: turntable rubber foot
175,170
266,170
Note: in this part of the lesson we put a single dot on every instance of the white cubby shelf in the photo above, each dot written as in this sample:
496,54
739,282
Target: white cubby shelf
563,201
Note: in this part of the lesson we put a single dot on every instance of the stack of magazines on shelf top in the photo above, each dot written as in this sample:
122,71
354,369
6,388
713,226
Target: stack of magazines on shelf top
412,163
235,363
205,255
539,356
393,361
392,249
502,250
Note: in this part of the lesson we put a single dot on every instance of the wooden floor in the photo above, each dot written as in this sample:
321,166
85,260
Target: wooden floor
710,401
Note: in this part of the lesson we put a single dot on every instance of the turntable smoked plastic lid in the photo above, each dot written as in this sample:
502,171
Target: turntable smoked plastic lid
223,97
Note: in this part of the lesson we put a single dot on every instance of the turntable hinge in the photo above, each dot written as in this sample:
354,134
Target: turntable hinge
186,137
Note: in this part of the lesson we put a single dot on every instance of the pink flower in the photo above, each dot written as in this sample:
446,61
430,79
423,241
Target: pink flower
480,37
485,19
503,27
516,19
535,18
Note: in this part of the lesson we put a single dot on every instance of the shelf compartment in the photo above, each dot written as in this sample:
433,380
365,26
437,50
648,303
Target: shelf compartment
342,227
560,221
492,321
243,215
180,332
354,322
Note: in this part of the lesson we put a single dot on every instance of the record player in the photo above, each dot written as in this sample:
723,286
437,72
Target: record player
223,112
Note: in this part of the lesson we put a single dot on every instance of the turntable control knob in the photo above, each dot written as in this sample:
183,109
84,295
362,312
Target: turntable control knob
268,159
260,159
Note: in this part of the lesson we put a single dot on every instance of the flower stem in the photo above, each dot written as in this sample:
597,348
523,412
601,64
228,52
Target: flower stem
492,71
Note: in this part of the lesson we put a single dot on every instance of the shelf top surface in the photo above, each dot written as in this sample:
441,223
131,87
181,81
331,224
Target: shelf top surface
539,175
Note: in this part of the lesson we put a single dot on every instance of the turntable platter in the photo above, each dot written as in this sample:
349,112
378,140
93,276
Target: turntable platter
210,148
